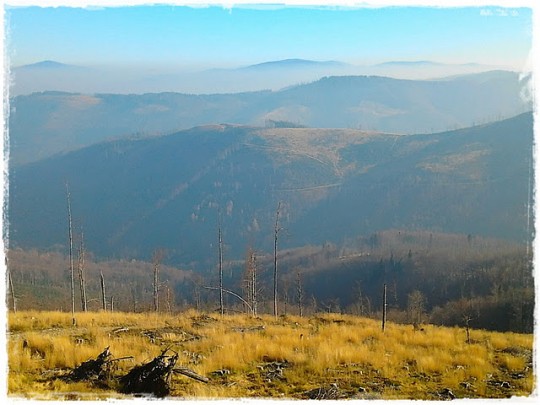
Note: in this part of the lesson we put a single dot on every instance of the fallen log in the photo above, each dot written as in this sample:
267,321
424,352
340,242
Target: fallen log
191,374
248,329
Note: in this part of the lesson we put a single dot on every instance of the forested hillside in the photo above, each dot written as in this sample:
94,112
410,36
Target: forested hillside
446,279
43,124
132,197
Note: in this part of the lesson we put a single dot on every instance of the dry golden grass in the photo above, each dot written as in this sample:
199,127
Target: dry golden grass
352,352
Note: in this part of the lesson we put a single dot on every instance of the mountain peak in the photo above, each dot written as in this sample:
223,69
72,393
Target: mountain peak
295,62
47,64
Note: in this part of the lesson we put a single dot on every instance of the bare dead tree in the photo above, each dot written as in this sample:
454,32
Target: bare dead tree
416,307
249,279
12,291
252,266
71,267
80,269
299,293
384,305
169,309
276,232
156,260
220,266
103,299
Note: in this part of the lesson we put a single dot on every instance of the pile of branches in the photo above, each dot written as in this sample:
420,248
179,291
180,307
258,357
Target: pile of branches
97,370
150,378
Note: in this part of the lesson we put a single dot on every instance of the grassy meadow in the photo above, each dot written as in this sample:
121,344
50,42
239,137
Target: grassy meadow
265,357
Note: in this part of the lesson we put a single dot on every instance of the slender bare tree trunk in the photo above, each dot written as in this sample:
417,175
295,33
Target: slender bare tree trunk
156,259
253,266
276,231
169,308
250,278
80,268
220,240
156,287
71,269
384,305
103,299
12,291
299,293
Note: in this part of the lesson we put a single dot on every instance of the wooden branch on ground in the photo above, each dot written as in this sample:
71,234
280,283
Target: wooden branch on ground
191,374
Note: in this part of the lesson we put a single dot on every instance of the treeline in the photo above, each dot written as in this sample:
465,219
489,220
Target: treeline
438,278
444,279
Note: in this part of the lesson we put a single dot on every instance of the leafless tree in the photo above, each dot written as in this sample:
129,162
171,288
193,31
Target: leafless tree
71,266
169,299
384,305
251,288
220,267
80,269
299,293
415,307
276,232
12,291
103,299
156,260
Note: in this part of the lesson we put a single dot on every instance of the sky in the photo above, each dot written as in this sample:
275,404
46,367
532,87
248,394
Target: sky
215,36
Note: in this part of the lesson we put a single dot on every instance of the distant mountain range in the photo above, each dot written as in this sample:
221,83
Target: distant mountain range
268,75
47,65
133,196
296,63
44,124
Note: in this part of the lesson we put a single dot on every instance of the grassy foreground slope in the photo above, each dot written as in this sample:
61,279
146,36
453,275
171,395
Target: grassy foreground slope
288,357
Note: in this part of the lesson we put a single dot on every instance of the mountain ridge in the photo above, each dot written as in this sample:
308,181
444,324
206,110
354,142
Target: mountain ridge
43,124
295,63
334,185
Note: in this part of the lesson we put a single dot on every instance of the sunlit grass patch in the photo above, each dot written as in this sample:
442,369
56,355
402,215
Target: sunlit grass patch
436,361
353,352
512,363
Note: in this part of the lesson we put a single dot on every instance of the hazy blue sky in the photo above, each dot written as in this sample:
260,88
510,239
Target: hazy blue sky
173,35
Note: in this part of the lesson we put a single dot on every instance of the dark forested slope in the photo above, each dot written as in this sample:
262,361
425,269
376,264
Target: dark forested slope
133,196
